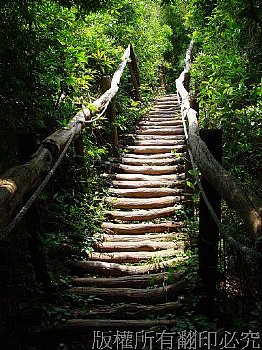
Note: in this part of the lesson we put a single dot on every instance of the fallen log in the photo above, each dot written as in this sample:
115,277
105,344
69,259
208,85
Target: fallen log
142,215
141,228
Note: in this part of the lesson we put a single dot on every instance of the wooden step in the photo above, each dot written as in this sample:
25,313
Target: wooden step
158,122
143,177
158,142
142,246
114,269
86,327
153,161
142,215
143,203
162,131
156,149
135,257
149,169
159,137
131,311
145,192
149,156
149,184
136,281
162,237
127,229
129,295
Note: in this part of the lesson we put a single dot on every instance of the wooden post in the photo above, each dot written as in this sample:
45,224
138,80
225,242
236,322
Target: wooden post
134,73
111,115
208,229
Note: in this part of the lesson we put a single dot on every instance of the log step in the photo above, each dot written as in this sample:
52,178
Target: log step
162,237
153,161
142,228
144,177
149,169
149,184
161,131
114,269
131,311
86,327
158,142
158,122
143,246
149,156
157,149
146,203
134,257
142,215
129,295
137,281
145,192
158,137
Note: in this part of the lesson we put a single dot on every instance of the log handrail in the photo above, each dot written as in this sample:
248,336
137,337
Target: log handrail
239,197
19,180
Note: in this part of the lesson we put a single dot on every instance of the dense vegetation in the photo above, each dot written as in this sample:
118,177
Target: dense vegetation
53,56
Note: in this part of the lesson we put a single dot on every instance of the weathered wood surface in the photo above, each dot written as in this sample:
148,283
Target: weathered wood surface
114,269
149,184
19,180
148,169
145,296
136,281
139,238
132,311
142,215
145,192
140,203
156,148
144,246
141,228
87,327
144,177
238,196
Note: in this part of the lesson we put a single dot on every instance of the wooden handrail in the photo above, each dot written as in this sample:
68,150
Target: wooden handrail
22,179
240,198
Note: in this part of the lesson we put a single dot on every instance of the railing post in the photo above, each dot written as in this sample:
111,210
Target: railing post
134,73
208,229
111,115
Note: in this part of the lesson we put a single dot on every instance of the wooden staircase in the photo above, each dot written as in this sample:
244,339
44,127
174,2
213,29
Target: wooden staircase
127,271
